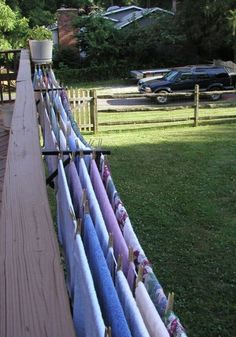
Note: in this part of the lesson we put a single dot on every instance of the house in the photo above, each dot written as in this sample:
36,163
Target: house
64,32
124,16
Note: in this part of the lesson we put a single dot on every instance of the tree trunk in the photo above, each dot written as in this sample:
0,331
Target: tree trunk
174,6
234,49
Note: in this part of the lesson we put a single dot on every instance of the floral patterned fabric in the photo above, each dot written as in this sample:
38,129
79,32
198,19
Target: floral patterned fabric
151,282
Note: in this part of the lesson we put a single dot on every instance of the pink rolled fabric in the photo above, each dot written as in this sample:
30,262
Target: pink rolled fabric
120,247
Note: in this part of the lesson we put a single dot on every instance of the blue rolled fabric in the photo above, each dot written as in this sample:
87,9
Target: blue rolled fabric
60,108
111,262
95,211
67,224
108,299
54,122
75,144
132,313
62,142
87,314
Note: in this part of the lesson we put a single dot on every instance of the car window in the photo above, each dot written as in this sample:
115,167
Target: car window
203,76
221,75
186,76
169,76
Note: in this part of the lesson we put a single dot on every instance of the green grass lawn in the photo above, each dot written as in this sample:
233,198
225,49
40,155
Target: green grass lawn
138,118
179,187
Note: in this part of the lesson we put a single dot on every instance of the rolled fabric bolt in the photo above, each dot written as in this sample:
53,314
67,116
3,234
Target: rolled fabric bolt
152,320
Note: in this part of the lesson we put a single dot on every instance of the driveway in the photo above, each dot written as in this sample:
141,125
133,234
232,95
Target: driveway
142,103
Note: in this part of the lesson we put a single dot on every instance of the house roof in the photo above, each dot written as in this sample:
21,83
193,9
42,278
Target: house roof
130,14
123,16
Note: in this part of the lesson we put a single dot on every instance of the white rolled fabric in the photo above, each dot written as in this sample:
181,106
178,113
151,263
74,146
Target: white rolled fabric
152,320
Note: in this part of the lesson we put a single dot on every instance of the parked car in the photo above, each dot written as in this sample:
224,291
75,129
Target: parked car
148,80
209,78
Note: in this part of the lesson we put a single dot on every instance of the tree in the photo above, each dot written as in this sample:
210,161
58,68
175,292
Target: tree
12,27
205,24
159,44
232,23
98,39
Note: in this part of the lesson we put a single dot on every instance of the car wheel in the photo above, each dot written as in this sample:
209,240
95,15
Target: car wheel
215,97
163,99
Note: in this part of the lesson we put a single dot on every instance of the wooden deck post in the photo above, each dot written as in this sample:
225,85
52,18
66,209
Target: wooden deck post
94,110
196,105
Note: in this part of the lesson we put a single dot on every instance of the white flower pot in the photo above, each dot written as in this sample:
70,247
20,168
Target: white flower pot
41,51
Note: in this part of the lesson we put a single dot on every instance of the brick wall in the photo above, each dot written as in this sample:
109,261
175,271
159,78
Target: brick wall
66,31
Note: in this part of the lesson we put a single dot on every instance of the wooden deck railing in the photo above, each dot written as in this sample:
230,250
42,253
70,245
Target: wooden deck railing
33,297
9,63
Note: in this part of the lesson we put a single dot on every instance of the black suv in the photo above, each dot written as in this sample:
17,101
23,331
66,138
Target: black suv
209,78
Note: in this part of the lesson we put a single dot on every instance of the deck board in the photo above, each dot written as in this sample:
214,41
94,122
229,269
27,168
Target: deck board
4,137
33,297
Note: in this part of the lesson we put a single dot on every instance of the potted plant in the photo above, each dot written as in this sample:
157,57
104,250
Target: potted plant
40,43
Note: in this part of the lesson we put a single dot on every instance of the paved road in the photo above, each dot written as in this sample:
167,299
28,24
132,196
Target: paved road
142,103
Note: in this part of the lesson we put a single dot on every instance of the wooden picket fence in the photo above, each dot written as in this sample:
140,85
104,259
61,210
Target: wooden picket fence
84,108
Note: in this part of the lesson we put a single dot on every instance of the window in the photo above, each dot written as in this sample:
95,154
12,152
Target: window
203,76
221,75
186,76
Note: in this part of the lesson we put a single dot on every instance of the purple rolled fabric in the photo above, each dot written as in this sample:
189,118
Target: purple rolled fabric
75,188
50,143
120,247
131,276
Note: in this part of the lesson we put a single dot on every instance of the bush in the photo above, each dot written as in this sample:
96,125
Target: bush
39,33
68,56
92,73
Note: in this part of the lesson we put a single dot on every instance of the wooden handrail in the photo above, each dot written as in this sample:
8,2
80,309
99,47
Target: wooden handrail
10,51
33,297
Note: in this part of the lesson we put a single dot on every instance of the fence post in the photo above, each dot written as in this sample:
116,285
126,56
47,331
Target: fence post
93,110
196,105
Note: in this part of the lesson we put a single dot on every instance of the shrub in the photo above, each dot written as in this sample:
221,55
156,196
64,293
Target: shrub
39,33
92,73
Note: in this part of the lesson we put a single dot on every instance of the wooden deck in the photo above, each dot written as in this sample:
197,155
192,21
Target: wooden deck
33,297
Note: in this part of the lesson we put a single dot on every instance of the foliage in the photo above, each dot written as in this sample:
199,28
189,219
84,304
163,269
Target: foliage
104,46
232,24
41,17
98,39
66,57
18,36
91,73
12,27
206,27
232,21
39,33
164,42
